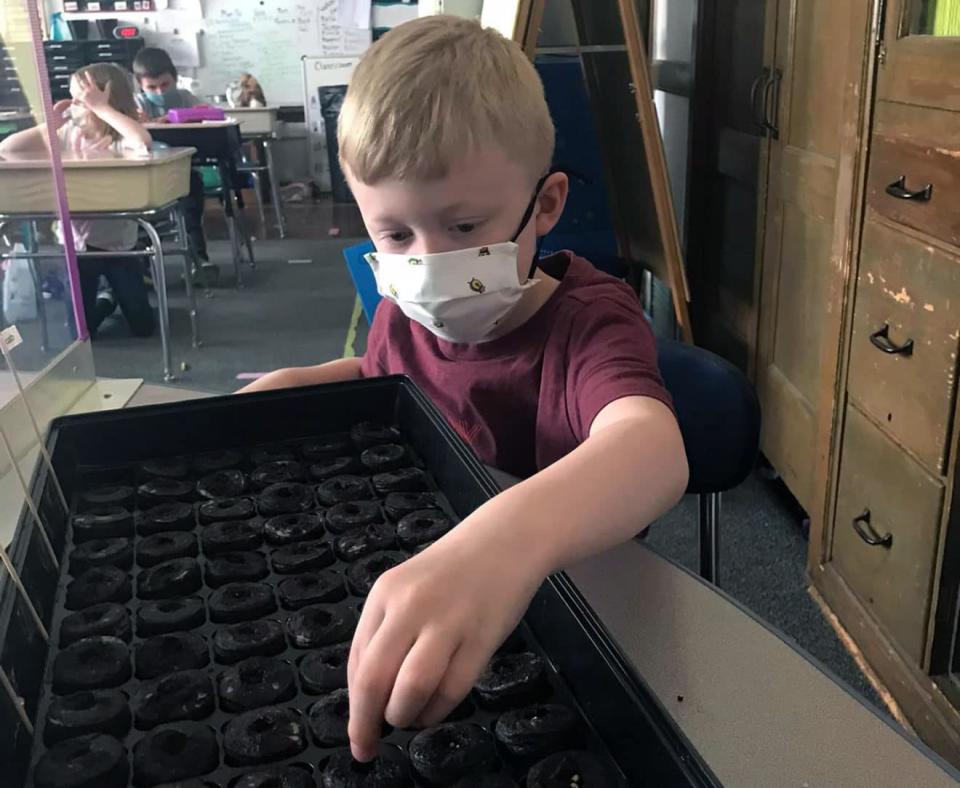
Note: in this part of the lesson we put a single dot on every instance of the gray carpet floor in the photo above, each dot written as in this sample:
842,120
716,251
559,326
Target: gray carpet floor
285,315
300,314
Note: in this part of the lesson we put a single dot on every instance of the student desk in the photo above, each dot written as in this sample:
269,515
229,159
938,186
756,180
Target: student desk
142,188
258,125
215,142
12,121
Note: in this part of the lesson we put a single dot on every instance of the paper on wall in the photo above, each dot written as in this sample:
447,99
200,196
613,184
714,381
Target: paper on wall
354,13
182,48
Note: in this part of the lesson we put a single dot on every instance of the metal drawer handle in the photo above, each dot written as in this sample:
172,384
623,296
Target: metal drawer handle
865,531
881,341
899,190
755,109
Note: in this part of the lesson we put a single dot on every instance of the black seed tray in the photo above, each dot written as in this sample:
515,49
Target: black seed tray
140,457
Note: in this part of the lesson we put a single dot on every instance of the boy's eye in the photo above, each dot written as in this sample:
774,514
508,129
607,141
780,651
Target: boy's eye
465,227
399,236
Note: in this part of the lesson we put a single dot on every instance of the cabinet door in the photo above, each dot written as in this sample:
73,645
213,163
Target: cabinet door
729,155
921,49
820,47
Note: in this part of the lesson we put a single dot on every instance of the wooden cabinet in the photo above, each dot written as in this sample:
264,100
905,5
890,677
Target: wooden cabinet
849,318
885,537
885,534
818,50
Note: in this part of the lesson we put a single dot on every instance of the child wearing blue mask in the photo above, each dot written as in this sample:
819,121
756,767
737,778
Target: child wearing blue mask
157,79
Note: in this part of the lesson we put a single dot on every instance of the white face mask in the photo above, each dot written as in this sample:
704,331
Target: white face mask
460,296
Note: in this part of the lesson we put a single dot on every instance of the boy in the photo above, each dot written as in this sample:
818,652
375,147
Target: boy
547,367
157,79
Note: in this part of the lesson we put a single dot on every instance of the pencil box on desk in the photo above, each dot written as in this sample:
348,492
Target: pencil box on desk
195,114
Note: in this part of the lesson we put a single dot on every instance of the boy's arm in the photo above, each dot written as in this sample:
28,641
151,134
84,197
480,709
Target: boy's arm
431,624
331,372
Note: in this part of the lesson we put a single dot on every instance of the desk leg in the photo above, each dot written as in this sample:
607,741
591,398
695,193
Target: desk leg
187,272
274,188
160,284
709,504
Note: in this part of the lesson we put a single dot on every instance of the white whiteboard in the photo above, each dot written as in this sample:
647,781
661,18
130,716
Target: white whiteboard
268,38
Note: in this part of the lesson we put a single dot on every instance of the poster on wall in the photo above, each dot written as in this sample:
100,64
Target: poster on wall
324,83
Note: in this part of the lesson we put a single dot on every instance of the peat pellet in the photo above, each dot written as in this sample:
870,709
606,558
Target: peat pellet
97,662
170,653
170,615
241,602
109,618
156,549
96,586
86,711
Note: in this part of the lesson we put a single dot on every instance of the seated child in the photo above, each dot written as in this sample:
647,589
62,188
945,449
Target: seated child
100,116
546,367
157,80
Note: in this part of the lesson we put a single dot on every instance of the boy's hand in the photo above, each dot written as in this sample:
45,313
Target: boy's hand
90,94
430,626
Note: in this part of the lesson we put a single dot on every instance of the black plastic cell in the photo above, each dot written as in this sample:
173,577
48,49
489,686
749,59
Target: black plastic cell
288,528
310,589
184,695
175,752
174,578
367,570
325,669
94,761
277,472
227,509
96,586
170,615
340,489
385,457
170,516
402,480
229,483
422,527
236,602
108,618
103,521
156,549
301,557
511,679
285,498
87,711
264,735
571,767
262,638
320,625
231,536
256,682
246,566
170,653
116,552
451,751
347,516
98,662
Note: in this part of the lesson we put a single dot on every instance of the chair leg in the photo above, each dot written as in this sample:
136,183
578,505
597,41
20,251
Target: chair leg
709,504
274,189
235,249
255,176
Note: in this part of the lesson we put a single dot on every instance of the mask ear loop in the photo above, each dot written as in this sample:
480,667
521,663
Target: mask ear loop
526,218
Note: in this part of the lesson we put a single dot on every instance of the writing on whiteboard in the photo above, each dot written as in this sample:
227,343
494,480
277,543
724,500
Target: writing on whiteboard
269,41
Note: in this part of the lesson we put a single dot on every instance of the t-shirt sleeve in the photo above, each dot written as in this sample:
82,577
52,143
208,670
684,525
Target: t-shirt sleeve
611,354
188,99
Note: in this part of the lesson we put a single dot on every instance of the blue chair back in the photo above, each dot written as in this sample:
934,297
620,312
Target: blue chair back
718,412
363,279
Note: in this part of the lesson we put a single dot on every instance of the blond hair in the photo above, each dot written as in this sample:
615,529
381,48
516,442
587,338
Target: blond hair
121,96
435,89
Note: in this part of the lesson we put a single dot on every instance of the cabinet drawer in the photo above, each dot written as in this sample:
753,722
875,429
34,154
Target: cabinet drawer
913,290
920,165
892,580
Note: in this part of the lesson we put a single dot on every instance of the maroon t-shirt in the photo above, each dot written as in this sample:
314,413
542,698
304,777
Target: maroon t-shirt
526,399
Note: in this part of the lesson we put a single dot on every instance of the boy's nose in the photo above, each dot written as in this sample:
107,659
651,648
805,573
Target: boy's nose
433,244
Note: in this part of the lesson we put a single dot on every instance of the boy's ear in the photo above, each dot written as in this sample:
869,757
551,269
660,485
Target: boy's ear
552,199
